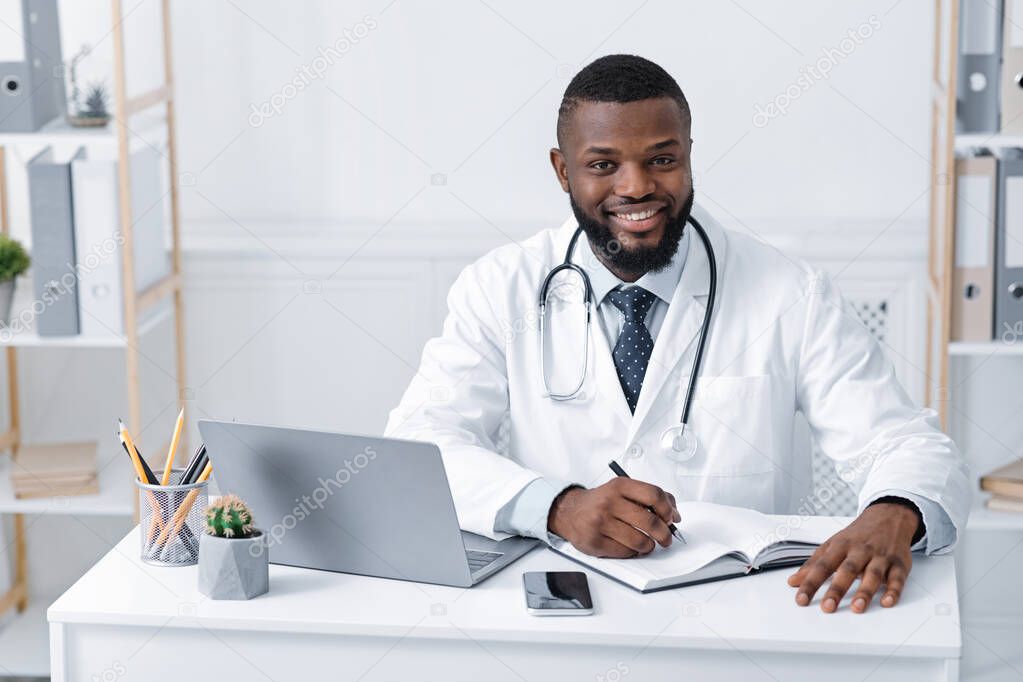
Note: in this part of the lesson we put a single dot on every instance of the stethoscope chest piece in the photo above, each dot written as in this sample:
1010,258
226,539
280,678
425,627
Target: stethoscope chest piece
678,443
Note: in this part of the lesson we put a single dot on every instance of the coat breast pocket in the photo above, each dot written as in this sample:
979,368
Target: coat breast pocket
736,461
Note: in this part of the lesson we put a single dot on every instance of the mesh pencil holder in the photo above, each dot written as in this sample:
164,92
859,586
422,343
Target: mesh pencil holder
171,521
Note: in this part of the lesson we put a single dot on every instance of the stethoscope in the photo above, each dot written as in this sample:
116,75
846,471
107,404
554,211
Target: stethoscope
678,442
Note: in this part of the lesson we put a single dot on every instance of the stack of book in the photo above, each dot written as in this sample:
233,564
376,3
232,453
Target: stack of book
1006,487
66,469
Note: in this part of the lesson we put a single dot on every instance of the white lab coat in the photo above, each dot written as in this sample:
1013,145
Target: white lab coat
782,340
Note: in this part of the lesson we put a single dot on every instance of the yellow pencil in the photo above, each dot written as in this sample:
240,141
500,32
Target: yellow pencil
186,506
173,447
133,454
156,523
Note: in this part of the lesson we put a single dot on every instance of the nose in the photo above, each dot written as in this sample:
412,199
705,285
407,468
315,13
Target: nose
633,181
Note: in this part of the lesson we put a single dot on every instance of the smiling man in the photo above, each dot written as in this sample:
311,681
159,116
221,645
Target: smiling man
782,341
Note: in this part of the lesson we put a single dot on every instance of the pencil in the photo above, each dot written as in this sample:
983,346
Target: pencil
173,446
147,475
157,522
192,468
200,465
178,520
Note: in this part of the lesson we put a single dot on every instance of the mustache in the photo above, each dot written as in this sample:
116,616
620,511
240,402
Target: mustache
617,253
645,200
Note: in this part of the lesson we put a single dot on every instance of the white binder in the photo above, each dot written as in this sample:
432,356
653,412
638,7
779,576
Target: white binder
1012,68
973,276
99,240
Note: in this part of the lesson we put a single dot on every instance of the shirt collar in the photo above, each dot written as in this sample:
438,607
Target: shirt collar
661,284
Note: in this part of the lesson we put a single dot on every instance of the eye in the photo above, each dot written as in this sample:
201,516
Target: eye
663,161
601,165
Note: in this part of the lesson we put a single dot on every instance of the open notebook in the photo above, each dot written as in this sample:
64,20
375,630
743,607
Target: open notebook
723,542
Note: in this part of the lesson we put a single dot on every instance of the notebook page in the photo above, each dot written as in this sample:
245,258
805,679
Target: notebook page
741,530
711,531
792,530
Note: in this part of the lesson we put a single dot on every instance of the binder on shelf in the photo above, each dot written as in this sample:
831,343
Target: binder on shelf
1012,68
973,276
55,304
31,68
980,55
1009,247
99,241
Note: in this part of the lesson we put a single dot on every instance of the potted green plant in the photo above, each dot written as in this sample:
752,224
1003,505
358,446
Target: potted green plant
233,556
14,260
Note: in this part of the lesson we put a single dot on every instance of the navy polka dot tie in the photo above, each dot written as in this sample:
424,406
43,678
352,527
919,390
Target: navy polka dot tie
632,352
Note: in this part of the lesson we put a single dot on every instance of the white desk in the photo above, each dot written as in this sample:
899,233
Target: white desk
127,621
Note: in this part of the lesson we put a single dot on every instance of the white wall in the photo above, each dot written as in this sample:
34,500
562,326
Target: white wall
343,179
470,89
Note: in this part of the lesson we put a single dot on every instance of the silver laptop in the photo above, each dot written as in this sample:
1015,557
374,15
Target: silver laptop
354,504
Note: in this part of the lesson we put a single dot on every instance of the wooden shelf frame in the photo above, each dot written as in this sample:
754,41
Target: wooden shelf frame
941,217
135,303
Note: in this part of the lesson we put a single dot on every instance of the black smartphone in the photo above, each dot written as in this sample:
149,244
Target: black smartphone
557,593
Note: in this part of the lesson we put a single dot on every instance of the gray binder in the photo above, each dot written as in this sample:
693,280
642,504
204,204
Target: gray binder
53,245
980,54
31,72
1009,248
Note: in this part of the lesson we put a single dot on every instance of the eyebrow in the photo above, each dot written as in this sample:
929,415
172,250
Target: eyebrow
654,147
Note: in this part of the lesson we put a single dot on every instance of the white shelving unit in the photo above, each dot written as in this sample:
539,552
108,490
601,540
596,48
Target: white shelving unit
965,141
985,348
982,518
142,120
146,129
30,339
112,499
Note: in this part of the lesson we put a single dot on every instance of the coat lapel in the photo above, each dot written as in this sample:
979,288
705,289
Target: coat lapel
681,326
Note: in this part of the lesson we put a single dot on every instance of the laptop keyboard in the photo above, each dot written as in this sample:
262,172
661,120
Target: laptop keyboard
479,559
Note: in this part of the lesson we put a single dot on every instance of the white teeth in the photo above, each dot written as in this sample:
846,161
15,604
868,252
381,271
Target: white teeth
637,216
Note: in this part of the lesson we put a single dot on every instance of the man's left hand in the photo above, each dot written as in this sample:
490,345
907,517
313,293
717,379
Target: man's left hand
874,547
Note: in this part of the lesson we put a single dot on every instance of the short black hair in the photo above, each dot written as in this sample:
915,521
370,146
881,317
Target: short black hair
619,78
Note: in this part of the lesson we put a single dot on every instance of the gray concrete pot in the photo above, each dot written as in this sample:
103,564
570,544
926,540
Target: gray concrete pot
234,568
6,297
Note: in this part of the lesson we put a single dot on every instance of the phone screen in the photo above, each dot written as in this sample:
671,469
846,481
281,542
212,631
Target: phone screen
557,590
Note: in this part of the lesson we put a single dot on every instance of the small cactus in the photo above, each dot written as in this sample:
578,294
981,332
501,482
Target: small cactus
229,517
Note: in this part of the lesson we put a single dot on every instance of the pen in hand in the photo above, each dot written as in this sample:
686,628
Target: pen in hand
675,532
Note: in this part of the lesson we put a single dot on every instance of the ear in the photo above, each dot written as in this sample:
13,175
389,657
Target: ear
560,167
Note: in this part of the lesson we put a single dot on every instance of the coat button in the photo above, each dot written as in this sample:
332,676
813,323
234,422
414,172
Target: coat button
635,451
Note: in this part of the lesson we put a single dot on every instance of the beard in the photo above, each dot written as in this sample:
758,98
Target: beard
638,260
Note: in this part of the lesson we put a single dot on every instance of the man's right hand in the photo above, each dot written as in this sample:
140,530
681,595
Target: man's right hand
613,520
